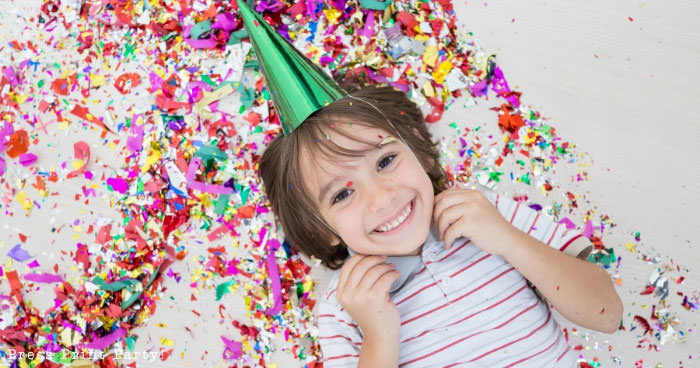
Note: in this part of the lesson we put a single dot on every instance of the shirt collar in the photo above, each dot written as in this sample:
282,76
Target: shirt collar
409,265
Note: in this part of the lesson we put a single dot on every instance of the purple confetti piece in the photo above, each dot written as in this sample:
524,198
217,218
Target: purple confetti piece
232,350
589,229
118,184
135,140
2,166
27,159
225,21
567,221
18,254
46,278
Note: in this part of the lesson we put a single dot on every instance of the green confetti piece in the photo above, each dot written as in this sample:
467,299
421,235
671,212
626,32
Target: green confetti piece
525,178
199,29
40,83
454,126
115,286
221,204
129,50
130,342
375,4
237,37
244,195
602,258
224,288
209,152
207,79
495,176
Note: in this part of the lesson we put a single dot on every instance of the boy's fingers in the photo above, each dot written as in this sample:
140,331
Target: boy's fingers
374,274
446,218
354,277
347,269
450,198
452,233
384,282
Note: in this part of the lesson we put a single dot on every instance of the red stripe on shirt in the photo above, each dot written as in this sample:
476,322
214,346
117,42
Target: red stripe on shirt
472,335
549,315
454,250
470,265
471,315
517,207
532,227
564,353
553,233
333,316
336,337
459,298
341,357
533,355
570,241
435,283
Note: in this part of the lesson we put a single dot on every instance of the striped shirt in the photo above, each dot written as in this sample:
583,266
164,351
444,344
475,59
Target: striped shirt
462,307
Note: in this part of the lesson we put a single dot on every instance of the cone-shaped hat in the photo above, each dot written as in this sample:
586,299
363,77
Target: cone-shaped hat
297,85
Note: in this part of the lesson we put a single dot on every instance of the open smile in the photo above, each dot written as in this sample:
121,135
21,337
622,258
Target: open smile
399,222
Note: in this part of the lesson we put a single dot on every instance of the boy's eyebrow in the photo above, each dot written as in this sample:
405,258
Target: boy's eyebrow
324,190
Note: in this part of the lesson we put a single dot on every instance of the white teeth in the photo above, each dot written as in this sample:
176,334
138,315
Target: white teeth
399,220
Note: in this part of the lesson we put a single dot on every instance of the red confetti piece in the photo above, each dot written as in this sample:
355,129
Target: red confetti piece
18,144
126,82
81,151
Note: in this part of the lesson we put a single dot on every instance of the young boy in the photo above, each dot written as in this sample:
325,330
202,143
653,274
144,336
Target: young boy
437,277
361,174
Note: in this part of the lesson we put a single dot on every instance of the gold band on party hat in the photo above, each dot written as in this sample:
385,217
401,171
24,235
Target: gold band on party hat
298,86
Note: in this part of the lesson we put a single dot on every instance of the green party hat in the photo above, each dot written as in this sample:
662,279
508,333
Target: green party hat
297,85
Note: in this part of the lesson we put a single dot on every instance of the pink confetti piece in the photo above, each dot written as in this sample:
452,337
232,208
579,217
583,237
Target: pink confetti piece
118,184
2,166
271,246
106,341
568,223
27,159
81,151
135,140
232,350
589,229
33,264
46,278
203,187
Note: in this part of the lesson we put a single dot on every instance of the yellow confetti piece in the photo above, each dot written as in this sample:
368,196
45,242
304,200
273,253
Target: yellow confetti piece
428,90
166,341
82,363
430,55
332,14
631,247
442,70
97,80
25,201
162,325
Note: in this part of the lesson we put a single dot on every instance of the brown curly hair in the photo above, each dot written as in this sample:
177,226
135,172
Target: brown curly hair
280,165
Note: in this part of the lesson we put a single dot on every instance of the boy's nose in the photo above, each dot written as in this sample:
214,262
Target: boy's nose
383,195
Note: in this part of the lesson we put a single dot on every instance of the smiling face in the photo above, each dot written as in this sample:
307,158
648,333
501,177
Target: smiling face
380,201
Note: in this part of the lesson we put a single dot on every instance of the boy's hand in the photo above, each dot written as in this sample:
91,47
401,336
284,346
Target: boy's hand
363,290
467,213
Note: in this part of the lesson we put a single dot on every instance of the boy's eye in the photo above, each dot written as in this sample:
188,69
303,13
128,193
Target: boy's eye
385,161
341,195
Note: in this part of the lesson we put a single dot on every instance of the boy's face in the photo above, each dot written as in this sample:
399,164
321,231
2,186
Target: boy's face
380,203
